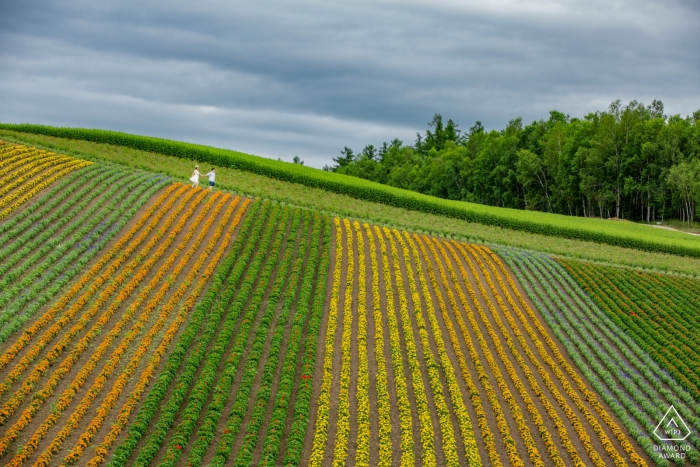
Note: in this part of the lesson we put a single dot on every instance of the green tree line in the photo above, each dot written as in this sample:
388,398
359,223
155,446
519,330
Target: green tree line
630,162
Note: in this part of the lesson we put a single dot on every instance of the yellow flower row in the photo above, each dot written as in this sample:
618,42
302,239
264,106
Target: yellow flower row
21,196
405,416
65,366
343,425
461,412
362,395
18,154
427,431
102,450
110,400
589,396
521,424
449,443
473,392
29,170
323,412
11,167
546,378
382,384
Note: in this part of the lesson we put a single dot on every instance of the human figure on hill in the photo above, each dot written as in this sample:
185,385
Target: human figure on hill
195,176
212,177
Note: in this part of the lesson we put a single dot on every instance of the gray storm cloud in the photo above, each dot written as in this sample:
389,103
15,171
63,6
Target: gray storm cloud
306,78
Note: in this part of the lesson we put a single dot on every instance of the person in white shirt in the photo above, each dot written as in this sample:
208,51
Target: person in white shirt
212,176
195,176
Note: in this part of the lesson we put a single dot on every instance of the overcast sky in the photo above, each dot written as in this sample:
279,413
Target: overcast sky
285,78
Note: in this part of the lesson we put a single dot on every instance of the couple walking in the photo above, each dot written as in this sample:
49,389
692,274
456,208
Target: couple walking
195,177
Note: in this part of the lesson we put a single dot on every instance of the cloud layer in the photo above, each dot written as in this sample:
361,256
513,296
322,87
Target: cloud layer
281,78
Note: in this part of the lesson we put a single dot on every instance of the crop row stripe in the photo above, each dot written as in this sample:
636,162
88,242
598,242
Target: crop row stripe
273,371
427,430
472,390
20,196
544,398
459,407
42,395
589,396
513,405
362,394
9,407
212,307
420,298
32,167
119,248
573,395
102,449
202,391
269,317
342,434
382,384
132,334
303,318
323,411
402,398
153,363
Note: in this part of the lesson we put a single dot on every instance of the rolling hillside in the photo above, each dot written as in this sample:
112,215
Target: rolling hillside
144,321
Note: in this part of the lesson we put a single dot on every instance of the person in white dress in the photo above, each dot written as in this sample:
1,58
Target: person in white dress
195,176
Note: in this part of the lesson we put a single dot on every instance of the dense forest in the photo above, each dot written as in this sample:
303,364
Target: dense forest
629,162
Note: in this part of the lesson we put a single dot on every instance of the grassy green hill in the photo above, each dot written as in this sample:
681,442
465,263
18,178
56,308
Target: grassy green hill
622,243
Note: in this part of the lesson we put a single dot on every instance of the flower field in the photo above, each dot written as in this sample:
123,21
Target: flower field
433,356
145,322
26,171
633,384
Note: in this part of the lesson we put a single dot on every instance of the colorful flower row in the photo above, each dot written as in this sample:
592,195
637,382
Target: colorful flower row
421,297
324,403
494,369
20,196
589,396
382,382
135,395
67,338
57,270
35,172
40,397
119,248
134,332
427,431
568,389
226,280
401,385
342,434
362,390
459,407
472,390
642,395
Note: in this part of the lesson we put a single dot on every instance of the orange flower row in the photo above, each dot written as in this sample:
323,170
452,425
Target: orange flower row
133,333
118,248
123,417
589,396
63,369
544,374
466,374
